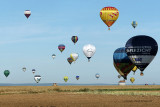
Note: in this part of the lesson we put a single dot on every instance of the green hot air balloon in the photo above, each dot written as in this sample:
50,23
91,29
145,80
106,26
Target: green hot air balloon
6,73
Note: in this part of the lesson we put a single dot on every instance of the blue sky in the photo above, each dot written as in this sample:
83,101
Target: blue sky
30,43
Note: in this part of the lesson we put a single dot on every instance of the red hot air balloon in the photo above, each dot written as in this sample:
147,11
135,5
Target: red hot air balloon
61,47
27,13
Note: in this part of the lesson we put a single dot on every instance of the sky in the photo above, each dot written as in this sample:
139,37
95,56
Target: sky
31,42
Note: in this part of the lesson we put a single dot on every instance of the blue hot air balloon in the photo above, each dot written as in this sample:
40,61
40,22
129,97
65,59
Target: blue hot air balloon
122,63
77,77
141,50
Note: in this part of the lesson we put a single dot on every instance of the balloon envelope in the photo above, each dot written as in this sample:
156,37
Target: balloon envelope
134,24
6,73
61,47
97,75
109,15
141,50
24,69
74,56
122,63
74,39
27,13
132,79
65,78
53,56
37,78
77,77
33,71
70,60
89,51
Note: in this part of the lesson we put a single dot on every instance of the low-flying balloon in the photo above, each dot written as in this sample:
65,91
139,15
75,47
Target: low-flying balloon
61,47
37,78
134,24
122,63
53,56
132,79
65,78
74,56
6,73
74,39
27,13
122,83
134,69
89,51
141,50
109,15
24,69
70,60
77,77
97,75
33,71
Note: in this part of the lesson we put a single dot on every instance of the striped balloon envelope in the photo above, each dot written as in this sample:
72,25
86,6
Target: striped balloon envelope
61,47
74,39
141,50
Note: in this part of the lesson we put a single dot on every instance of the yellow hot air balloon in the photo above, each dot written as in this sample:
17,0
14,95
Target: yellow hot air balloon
132,79
109,15
134,69
65,78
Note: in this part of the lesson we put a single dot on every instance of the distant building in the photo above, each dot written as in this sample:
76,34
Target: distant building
54,84
122,82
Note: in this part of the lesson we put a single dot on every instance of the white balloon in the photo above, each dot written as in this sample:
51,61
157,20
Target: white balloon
89,51
74,56
97,76
24,69
37,78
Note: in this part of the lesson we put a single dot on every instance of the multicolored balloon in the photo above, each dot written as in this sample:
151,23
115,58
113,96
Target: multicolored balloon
61,47
141,50
77,77
109,15
70,60
134,24
27,13
74,56
122,63
74,39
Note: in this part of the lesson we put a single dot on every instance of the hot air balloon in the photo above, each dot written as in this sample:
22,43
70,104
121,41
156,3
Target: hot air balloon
134,69
132,79
53,56
6,73
134,24
74,39
37,78
119,76
61,47
109,15
122,63
74,56
70,60
97,75
77,77
141,50
27,13
33,71
24,69
89,51
66,78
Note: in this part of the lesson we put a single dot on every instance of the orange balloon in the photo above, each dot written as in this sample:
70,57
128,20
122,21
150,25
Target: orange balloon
109,15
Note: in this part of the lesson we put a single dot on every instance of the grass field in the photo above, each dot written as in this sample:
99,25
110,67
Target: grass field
80,96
